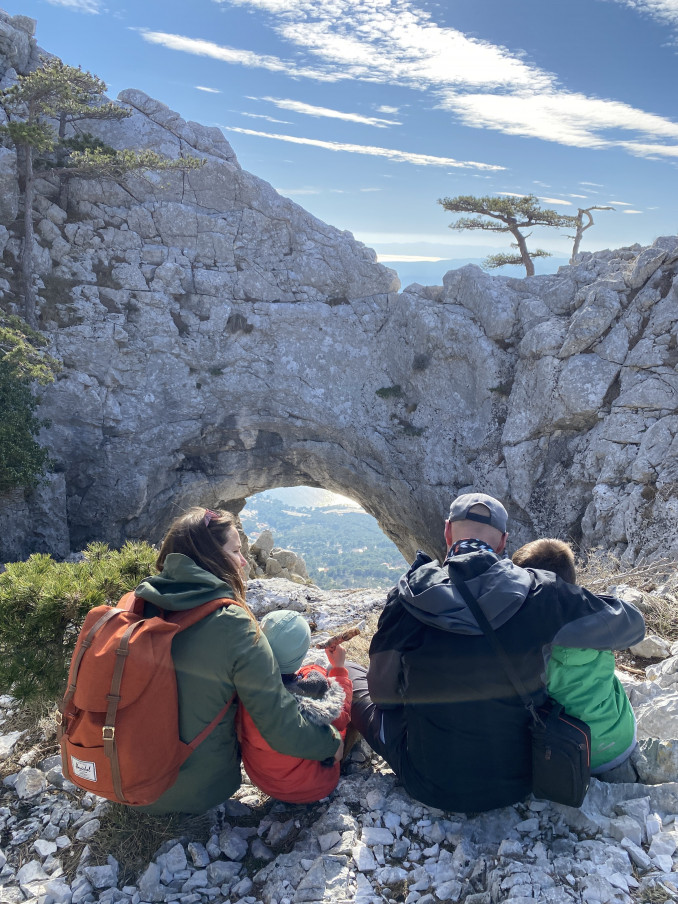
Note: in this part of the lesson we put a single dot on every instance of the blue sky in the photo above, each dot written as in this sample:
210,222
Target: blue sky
366,112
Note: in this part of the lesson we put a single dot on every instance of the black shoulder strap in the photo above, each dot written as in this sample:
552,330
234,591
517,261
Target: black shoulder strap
490,633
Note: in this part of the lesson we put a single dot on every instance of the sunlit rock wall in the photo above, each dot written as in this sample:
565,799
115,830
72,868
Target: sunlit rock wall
218,340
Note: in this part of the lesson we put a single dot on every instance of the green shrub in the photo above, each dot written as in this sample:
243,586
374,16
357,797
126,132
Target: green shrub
43,604
23,364
22,459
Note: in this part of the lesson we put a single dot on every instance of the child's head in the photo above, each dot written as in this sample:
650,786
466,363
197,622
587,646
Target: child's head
289,636
550,555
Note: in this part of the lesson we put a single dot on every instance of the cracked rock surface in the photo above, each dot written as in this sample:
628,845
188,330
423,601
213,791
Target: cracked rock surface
217,340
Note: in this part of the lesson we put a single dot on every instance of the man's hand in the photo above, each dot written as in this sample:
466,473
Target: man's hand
336,656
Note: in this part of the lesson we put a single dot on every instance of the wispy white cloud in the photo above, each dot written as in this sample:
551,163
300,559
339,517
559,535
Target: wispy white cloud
577,196
632,211
371,189
397,42
483,85
406,258
290,192
640,149
621,203
390,153
284,122
377,41
385,109
79,6
512,194
556,201
408,240
226,54
594,184
564,117
208,90
663,10
296,106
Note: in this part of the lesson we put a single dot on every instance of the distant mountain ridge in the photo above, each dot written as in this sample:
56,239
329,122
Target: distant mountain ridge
309,497
430,273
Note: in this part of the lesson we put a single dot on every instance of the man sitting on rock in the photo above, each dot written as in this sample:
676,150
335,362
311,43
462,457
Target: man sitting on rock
436,702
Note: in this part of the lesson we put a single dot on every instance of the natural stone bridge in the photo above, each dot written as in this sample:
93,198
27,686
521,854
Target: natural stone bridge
218,341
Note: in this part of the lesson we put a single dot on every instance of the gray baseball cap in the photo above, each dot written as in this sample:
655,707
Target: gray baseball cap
497,516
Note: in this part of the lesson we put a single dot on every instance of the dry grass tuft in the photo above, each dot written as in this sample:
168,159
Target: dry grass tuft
133,838
36,719
358,649
655,894
656,583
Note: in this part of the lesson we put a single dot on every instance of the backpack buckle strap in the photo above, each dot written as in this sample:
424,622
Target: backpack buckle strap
108,735
84,646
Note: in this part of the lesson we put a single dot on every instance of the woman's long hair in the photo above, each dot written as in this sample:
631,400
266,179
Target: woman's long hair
200,534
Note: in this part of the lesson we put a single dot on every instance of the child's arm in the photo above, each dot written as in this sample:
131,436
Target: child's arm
337,657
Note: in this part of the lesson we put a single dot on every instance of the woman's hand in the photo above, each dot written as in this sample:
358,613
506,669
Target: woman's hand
339,752
336,656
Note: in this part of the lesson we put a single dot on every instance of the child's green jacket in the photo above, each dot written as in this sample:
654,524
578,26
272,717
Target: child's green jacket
583,681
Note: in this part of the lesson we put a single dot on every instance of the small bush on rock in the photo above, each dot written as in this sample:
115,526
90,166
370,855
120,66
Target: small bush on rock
43,603
23,364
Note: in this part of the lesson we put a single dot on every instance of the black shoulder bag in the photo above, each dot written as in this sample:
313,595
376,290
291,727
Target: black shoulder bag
561,744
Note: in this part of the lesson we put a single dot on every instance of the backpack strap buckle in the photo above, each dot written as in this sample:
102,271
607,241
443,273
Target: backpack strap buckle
108,737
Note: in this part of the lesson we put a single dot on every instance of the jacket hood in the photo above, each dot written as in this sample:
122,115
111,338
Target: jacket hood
321,710
428,593
182,585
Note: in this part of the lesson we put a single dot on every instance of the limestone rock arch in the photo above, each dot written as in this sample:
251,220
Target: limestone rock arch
218,340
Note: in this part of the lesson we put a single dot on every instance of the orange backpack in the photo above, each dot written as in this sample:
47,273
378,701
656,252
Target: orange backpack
119,719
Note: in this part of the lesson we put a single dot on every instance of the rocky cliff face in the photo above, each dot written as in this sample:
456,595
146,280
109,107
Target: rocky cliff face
218,340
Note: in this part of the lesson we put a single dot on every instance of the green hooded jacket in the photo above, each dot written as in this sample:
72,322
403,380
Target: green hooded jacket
583,681
213,658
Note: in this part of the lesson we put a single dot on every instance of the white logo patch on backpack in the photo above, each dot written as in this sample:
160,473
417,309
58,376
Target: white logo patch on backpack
84,769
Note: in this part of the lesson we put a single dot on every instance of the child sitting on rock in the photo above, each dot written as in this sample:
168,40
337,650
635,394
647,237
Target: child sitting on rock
323,697
584,682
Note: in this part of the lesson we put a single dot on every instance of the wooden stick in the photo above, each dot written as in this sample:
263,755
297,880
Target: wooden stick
627,668
336,639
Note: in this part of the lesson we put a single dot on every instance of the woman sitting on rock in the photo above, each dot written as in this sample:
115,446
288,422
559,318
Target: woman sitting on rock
224,653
